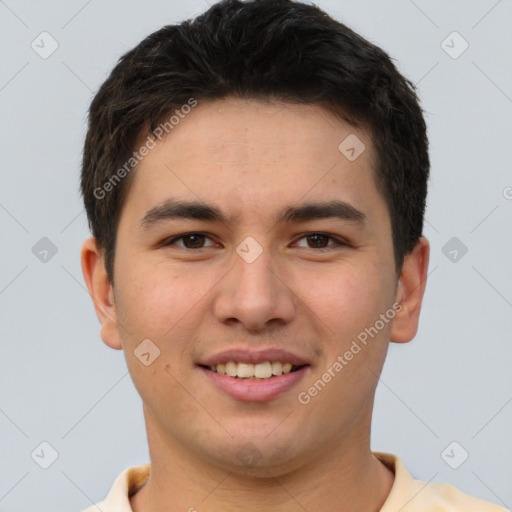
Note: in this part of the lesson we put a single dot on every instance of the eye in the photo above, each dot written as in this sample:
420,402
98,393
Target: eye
319,241
190,241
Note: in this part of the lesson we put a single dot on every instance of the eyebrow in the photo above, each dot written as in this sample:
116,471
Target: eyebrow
193,210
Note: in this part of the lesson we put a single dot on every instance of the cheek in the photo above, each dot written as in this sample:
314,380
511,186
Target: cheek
158,306
150,302
344,300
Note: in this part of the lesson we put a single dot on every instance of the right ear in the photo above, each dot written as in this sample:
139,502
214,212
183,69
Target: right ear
101,292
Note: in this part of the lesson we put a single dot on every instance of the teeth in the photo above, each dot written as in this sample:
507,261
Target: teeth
245,370
287,367
277,368
231,369
264,370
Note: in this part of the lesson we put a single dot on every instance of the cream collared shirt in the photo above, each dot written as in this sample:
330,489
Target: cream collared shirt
407,493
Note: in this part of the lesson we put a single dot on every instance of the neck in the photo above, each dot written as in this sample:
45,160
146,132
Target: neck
346,477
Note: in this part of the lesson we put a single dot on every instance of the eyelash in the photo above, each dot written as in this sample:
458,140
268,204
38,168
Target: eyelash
337,241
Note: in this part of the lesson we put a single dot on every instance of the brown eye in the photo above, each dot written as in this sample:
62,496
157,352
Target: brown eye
194,241
319,241
190,241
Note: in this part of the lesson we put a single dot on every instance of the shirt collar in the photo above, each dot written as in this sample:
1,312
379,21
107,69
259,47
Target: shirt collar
405,488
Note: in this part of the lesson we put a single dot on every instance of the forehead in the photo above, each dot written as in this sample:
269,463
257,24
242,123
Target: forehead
252,157
230,128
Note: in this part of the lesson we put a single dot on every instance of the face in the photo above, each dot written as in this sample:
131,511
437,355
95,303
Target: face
236,279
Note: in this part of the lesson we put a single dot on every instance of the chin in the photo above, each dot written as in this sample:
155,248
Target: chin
252,452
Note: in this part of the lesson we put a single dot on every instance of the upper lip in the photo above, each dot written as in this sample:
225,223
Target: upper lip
254,357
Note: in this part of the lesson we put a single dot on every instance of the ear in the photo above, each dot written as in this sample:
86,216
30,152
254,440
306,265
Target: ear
101,292
409,294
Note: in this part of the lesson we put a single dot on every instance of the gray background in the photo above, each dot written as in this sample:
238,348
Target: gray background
59,383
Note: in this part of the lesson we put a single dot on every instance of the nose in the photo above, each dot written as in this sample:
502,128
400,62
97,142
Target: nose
256,294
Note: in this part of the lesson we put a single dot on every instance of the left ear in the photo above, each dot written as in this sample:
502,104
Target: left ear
410,293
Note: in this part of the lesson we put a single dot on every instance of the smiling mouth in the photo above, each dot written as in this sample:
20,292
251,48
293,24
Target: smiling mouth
246,371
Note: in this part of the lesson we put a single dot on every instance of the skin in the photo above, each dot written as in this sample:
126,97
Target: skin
251,159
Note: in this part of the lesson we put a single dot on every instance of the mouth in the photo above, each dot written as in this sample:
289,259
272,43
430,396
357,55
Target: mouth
250,376
254,376
263,371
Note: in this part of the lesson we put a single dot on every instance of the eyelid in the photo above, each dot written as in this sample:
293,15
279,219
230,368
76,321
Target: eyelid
172,240
338,241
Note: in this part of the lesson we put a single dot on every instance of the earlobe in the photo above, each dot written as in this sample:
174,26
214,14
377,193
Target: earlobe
410,292
101,292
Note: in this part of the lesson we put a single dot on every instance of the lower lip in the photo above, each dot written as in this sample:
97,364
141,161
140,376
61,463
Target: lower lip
255,390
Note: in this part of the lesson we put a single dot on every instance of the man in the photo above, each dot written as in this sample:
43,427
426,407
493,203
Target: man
255,181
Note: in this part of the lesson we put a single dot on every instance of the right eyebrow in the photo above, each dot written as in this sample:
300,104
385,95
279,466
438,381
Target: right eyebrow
170,210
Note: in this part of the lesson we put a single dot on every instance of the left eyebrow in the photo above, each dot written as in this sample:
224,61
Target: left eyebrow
194,210
323,210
